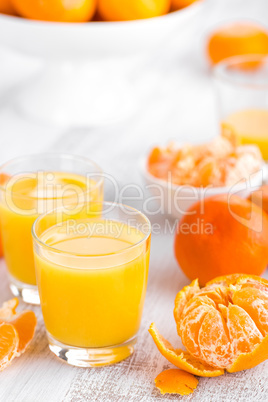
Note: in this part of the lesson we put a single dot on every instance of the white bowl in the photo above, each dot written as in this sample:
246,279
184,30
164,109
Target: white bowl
69,41
176,200
70,93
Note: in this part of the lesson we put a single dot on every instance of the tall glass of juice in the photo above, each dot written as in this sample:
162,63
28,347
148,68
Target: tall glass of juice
242,87
92,268
34,185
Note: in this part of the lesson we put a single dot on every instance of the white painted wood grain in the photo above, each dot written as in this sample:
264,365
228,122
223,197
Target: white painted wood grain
177,101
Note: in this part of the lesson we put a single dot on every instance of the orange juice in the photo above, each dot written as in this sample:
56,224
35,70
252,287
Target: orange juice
92,282
251,126
23,199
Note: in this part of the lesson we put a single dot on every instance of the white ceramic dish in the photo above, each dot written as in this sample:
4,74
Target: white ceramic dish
69,41
69,93
176,200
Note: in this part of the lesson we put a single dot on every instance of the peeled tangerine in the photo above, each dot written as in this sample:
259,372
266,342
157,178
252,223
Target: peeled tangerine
223,326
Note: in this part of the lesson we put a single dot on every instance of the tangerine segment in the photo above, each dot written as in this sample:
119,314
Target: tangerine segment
234,279
182,359
242,329
174,381
190,327
183,297
9,308
25,325
9,342
213,340
255,303
249,360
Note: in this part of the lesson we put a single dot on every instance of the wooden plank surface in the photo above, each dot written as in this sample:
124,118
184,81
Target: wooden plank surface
171,95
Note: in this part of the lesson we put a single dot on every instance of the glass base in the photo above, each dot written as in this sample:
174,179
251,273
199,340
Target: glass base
28,293
91,357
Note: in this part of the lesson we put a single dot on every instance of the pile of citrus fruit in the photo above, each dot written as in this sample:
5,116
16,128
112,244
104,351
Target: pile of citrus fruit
86,10
16,331
220,162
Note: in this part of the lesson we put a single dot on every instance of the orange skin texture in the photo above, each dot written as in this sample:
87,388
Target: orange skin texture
122,10
230,245
260,198
224,326
56,10
237,39
180,358
6,7
178,4
174,381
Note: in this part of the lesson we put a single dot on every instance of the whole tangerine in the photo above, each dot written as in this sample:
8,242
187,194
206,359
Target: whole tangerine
56,10
6,7
178,4
121,10
236,39
222,235
260,197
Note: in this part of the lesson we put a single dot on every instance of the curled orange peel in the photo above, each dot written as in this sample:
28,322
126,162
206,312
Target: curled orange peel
180,358
247,361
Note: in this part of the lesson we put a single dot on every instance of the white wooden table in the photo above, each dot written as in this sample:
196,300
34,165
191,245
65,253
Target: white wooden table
179,104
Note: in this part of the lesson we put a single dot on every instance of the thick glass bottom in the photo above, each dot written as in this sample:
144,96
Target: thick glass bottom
91,357
28,293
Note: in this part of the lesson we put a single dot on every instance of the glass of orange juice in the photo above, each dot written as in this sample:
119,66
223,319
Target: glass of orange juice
92,268
242,87
34,185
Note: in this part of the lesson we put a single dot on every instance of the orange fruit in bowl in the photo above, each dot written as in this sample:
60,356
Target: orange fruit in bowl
178,4
236,39
6,7
56,10
222,235
223,326
122,10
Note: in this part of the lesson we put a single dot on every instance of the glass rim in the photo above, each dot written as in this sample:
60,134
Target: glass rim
56,155
119,252
220,74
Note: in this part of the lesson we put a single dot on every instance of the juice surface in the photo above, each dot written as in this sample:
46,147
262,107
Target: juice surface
96,299
251,126
25,197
